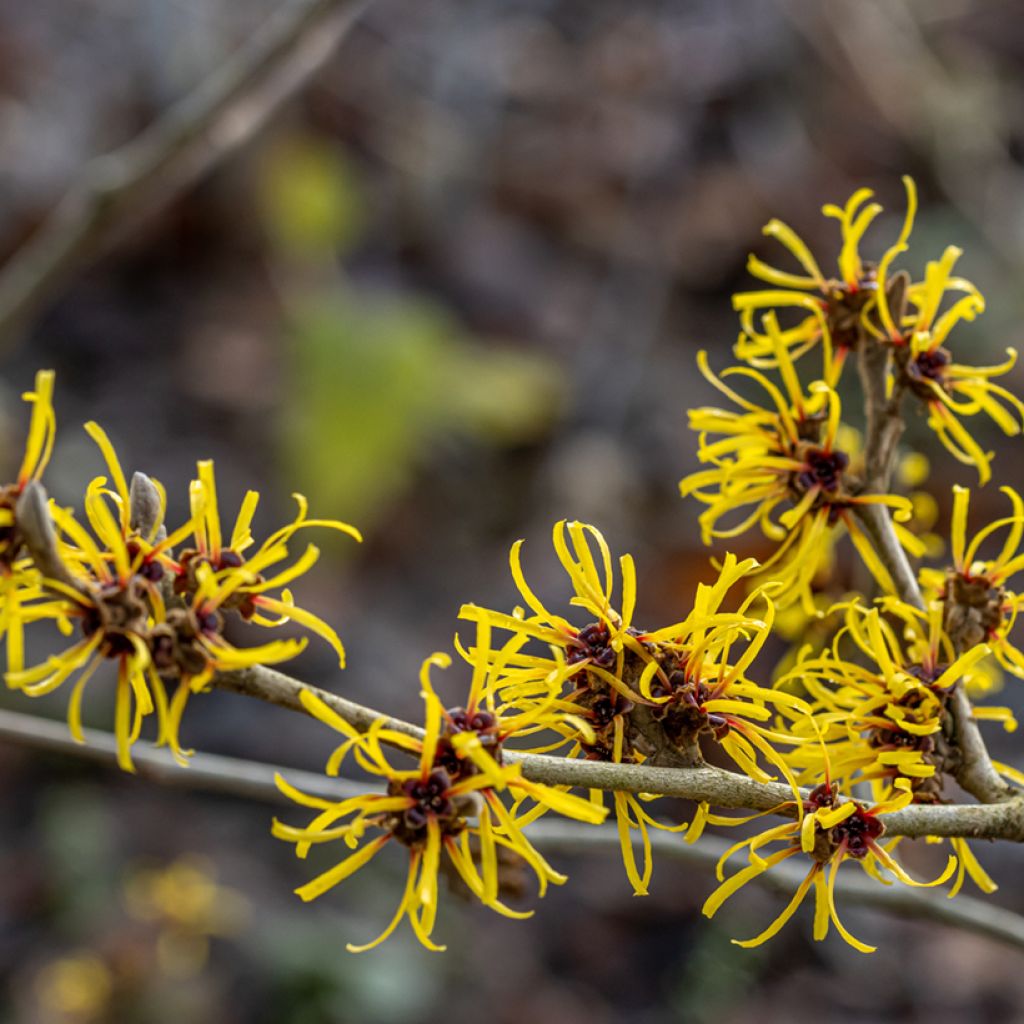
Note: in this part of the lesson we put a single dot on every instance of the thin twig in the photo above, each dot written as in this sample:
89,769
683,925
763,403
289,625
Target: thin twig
189,140
715,785
974,772
255,781
205,771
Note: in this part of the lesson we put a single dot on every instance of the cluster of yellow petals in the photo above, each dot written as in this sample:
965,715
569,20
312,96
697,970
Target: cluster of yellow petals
456,800
590,676
863,704
829,831
778,466
136,597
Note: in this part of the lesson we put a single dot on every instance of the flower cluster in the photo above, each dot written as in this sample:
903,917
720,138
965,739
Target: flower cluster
827,831
864,704
153,602
628,695
879,680
783,455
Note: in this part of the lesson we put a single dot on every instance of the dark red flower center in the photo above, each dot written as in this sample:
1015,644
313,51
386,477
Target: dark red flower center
431,799
930,365
822,469
591,643
857,833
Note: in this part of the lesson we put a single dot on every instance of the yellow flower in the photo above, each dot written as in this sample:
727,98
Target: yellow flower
449,803
680,679
22,599
237,581
881,713
829,831
978,607
114,608
927,369
837,308
188,907
881,709
782,456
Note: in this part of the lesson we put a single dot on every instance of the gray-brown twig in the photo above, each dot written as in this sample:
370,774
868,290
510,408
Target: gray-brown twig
255,781
715,785
975,772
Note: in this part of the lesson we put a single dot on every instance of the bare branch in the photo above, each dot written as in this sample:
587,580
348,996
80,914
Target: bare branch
714,785
189,140
975,772
205,771
885,424
254,780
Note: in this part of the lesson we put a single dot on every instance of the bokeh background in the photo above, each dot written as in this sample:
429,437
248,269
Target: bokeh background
452,292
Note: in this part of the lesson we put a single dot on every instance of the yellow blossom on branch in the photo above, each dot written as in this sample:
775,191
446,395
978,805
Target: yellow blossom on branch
450,802
978,606
925,366
829,832
684,681
835,308
777,466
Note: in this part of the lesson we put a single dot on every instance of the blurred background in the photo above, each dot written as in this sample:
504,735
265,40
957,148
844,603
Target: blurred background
453,291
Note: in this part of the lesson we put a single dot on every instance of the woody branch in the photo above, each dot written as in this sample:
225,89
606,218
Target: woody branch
975,772
253,780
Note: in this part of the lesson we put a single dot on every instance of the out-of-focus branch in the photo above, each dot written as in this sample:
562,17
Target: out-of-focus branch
205,771
116,190
974,772
717,786
254,780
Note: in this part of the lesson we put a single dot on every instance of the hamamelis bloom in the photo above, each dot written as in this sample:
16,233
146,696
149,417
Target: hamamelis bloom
828,831
834,308
242,580
42,431
114,608
978,606
881,708
484,724
951,390
880,695
127,567
696,688
778,466
476,729
189,645
591,660
682,677
450,803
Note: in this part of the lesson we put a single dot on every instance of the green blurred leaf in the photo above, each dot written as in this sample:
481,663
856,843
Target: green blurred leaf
365,376
376,380
309,197
503,395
